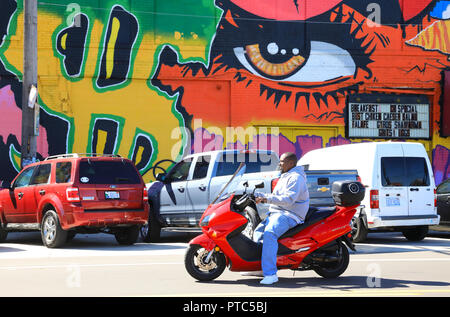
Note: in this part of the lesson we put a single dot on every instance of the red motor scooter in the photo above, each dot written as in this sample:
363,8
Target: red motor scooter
318,244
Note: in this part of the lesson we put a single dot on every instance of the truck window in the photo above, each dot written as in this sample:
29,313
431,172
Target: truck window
255,163
404,171
201,167
63,172
180,171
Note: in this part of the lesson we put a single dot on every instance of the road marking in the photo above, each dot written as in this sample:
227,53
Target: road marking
64,266
20,251
401,260
320,293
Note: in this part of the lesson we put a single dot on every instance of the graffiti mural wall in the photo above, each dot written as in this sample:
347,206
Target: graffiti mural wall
158,79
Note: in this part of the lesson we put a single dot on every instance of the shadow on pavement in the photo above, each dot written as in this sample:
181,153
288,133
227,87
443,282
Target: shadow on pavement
341,283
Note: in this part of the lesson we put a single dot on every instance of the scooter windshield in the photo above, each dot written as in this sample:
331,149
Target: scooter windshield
231,186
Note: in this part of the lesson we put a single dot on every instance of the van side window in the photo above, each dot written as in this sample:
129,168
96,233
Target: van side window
404,171
63,171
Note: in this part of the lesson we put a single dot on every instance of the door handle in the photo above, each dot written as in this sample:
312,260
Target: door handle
181,189
414,189
42,192
20,195
202,188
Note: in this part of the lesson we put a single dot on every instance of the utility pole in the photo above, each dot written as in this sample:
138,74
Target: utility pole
29,137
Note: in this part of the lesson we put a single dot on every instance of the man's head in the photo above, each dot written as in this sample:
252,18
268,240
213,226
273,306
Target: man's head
288,161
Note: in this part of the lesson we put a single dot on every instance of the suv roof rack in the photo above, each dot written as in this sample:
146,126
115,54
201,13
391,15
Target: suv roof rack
75,155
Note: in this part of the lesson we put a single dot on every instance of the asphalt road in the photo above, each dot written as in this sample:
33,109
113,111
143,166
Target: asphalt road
95,265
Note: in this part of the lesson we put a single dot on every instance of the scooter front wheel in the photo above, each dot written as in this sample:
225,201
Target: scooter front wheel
202,266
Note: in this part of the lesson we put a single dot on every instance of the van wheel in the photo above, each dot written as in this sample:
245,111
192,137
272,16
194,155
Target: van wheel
127,236
151,232
53,236
359,229
416,233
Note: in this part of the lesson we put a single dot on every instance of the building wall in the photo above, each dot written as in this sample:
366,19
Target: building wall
157,79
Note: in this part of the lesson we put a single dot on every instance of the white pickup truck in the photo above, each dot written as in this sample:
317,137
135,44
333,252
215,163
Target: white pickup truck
180,196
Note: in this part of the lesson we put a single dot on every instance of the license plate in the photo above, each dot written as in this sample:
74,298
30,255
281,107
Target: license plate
112,195
392,201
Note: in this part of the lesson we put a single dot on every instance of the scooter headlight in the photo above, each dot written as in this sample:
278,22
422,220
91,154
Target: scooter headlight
205,221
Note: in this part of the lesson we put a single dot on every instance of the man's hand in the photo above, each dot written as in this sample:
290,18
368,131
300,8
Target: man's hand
260,200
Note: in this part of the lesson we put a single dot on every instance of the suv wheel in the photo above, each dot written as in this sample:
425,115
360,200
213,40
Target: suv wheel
127,236
53,236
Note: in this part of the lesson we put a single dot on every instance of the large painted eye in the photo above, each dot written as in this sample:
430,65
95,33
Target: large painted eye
274,61
323,62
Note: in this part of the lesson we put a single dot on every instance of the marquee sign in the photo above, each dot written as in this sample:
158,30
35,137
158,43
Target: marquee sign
388,116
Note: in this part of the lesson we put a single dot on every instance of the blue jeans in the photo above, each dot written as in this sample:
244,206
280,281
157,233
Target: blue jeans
268,232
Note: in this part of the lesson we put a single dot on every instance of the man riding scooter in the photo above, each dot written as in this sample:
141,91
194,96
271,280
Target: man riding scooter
289,204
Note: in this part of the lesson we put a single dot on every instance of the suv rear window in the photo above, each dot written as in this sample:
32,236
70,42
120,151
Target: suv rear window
108,172
255,163
404,171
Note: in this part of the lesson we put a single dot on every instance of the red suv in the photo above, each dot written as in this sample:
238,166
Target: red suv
75,193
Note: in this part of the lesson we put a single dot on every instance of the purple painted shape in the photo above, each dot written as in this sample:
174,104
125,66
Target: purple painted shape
441,163
204,141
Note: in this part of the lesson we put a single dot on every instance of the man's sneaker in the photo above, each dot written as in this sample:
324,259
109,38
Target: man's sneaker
270,279
253,273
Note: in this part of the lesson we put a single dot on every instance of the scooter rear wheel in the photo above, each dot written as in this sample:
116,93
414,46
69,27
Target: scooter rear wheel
334,269
200,267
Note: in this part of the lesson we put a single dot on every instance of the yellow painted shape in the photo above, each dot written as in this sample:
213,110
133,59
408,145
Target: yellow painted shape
101,141
111,47
139,154
63,41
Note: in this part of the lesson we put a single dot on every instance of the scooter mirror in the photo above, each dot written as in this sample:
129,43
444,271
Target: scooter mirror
259,185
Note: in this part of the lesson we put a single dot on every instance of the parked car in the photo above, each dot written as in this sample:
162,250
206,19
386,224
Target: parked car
399,181
443,205
180,196
68,194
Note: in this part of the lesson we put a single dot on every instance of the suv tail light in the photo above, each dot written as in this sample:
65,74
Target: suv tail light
145,194
72,194
274,183
374,199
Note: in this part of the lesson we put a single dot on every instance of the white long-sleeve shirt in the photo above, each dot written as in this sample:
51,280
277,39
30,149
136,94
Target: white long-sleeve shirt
290,196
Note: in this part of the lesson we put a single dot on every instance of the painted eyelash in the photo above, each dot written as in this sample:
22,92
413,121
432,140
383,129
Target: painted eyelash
319,98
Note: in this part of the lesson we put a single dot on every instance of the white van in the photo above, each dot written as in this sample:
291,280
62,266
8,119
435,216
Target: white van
399,181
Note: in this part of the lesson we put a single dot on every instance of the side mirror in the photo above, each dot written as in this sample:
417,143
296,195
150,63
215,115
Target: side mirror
160,177
259,185
6,185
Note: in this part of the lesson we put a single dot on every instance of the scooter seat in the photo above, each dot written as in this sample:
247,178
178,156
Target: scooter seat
315,214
